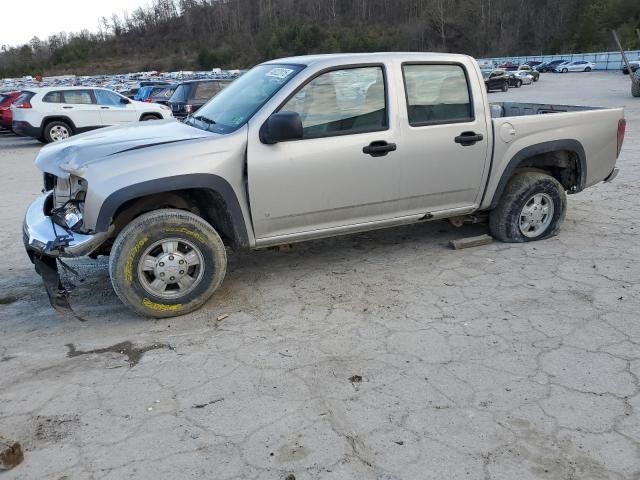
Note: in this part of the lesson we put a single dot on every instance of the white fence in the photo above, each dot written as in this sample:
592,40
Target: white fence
603,60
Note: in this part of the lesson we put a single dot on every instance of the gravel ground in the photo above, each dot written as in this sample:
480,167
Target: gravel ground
379,356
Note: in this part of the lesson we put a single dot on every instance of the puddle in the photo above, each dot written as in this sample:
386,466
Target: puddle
8,300
133,353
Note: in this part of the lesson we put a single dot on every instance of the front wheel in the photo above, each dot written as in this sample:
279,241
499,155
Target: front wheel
588,69
518,83
564,70
167,263
532,207
505,87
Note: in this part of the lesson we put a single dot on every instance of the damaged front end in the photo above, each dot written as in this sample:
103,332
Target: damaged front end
47,241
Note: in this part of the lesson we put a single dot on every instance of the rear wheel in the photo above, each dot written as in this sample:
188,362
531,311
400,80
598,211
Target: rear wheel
505,86
588,69
518,83
56,131
532,207
635,86
167,263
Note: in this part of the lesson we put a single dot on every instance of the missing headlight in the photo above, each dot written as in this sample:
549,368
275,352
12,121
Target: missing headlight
69,215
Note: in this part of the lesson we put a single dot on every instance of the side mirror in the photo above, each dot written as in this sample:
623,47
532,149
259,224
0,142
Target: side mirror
280,127
125,101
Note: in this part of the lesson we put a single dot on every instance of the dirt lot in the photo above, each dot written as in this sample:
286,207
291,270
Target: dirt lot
379,356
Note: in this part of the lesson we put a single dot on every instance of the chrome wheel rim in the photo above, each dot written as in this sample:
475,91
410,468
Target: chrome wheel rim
536,215
58,133
171,268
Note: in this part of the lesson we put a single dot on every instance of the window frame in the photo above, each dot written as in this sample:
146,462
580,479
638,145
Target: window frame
88,90
351,66
430,123
108,92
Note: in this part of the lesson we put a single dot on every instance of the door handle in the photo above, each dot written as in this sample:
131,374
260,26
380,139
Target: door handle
379,148
104,108
67,107
468,138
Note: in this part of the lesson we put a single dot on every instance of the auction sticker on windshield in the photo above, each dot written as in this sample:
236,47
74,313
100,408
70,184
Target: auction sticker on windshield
280,73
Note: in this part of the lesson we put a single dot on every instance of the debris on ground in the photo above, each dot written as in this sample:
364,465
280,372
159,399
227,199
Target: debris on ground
471,242
10,454
355,379
202,405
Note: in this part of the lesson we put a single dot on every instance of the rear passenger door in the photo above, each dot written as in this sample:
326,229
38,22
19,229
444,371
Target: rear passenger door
445,143
81,108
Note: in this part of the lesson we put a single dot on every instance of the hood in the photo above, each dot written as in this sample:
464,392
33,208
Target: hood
71,156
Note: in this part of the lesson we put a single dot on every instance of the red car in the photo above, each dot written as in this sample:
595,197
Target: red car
6,99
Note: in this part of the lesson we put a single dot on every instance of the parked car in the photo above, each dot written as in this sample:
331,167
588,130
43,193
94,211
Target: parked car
6,99
190,96
532,63
284,154
634,64
520,78
530,70
52,114
508,66
576,66
496,80
549,66
155,94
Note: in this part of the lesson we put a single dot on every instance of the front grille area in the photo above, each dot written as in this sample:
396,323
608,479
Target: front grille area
49,181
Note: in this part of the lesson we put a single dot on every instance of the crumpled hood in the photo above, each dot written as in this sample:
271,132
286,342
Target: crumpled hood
71,156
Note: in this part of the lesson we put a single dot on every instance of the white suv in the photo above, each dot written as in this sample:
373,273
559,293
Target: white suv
55,113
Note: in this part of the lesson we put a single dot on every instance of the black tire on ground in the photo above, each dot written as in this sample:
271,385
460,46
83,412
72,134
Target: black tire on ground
518,83
48,128
535,79
42,140
504,220
565,70
149,116
135,243
588,69
505,87
635,86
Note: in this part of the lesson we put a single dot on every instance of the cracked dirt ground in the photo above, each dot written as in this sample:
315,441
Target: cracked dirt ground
379,356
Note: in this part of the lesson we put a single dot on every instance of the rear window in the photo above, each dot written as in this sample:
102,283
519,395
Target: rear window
181,95
437,94
77,97
24,97
53,97
206,90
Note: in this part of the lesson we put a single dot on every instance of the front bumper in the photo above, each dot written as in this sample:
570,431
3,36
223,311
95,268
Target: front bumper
43,237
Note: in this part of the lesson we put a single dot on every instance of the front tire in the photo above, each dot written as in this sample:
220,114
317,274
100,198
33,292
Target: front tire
167,263
518,83
532,207
588,69
505,87
635,86
564,70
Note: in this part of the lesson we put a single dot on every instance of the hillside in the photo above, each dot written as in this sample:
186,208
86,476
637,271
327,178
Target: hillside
187,34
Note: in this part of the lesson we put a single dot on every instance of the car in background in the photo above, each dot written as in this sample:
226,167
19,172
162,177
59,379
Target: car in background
155,94
576,66
508,66
6,99
191,95
52,114
519,78
532,63
634,64
486,65
549,66
496,80
528,69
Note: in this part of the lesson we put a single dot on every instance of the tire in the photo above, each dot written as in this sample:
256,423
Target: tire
588,69
505,87
535,79
148,116
508,221
564,70
178,238
56,131
518,83
635,86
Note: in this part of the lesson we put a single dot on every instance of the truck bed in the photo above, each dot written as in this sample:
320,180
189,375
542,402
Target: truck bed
514,109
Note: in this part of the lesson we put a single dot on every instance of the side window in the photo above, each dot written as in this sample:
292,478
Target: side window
104,97
53,97
77,97
205,91
437,94
342,102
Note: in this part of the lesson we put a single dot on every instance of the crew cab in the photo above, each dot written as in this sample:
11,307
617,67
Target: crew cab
305,148
51,114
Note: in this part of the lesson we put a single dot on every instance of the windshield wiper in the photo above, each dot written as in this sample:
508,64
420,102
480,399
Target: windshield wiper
204,119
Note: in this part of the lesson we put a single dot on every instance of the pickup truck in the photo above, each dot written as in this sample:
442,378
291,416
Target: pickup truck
304,148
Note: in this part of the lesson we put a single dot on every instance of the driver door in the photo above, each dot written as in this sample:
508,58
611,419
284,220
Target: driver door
112,109
325,180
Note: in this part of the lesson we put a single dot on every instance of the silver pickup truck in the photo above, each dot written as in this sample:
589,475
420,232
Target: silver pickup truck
303,148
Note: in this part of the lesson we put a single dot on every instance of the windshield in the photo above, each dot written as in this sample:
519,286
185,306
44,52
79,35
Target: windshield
237,103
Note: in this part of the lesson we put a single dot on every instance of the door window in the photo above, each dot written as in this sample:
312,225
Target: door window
77,97
437,94
342,102
104,97
53,97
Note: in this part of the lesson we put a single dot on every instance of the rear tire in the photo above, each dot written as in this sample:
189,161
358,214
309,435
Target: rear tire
588,69
56,131
635,86
518,83
167,263
505,87
532,207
